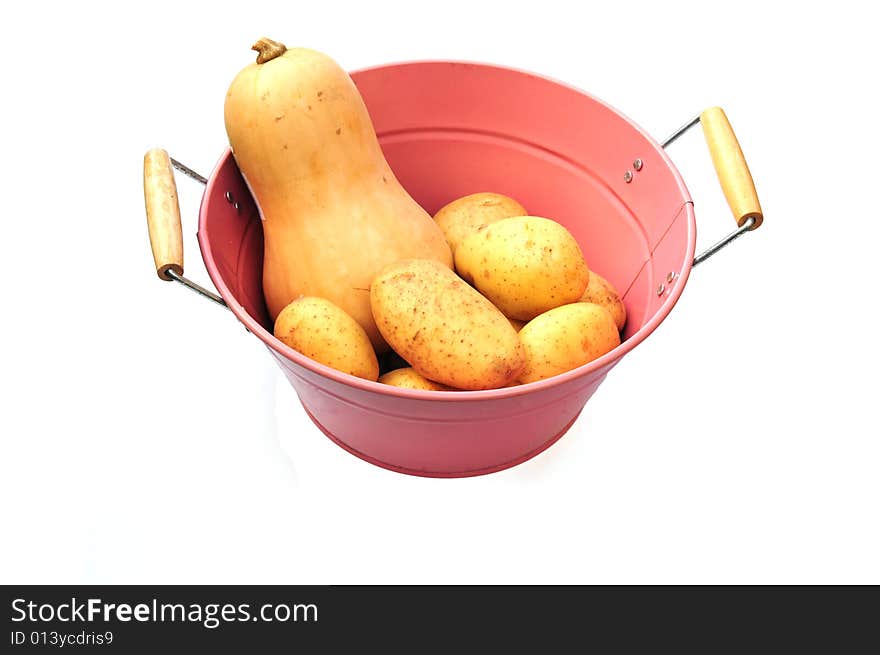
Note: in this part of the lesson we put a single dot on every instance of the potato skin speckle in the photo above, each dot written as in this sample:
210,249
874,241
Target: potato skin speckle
600,291
464,215
322,331
566,337
444,328
525,265
409,378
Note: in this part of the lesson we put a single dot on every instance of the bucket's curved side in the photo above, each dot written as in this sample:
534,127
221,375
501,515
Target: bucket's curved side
440,438
425,473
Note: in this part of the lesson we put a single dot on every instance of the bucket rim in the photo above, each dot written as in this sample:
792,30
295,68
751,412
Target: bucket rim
606,361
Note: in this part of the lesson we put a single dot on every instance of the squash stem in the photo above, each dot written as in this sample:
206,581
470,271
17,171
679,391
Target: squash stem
267,50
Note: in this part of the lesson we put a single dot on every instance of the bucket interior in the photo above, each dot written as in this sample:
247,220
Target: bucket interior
451,129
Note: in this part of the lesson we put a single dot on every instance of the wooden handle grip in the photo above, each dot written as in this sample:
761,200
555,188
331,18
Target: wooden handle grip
730,164
163,213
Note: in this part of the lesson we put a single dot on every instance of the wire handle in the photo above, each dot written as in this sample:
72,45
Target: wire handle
163,219
733,175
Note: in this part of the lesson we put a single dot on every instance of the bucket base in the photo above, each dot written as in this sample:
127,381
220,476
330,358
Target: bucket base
443,474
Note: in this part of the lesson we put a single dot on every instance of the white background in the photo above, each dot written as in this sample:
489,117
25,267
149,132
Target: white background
147,438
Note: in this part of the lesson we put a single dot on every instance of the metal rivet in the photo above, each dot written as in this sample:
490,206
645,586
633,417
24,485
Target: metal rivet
637,164
229,197
628,177
660,289
670,276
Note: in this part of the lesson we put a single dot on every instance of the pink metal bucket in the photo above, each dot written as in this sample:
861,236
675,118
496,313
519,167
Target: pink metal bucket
449,129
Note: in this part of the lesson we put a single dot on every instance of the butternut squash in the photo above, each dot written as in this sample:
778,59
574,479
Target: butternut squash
333,212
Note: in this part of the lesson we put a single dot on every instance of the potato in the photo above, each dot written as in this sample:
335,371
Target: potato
408,378
444,328
566,337
600,291
524,265
322,331
463,216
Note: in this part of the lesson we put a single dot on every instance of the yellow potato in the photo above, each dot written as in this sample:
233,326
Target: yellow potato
525,265
566,337
444,328
322,331
600,291
463,216
408,378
